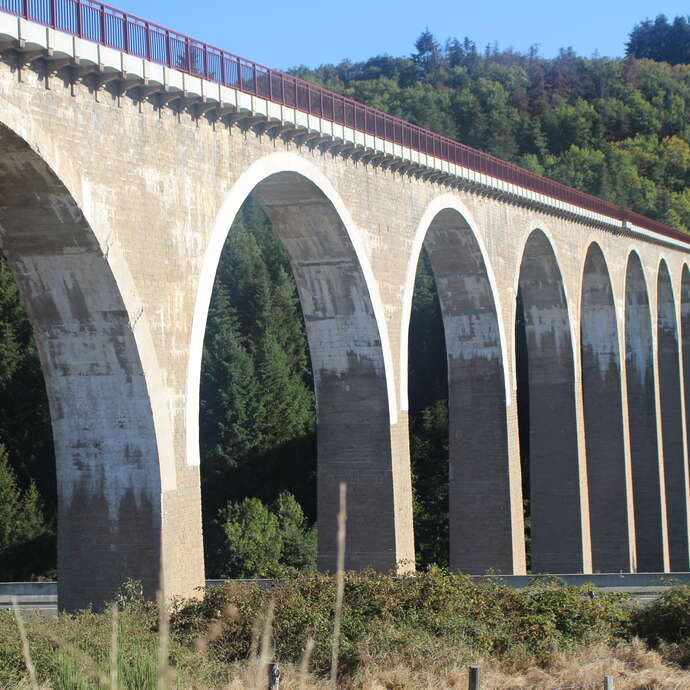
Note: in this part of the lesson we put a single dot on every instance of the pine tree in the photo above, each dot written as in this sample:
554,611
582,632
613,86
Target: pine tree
21,524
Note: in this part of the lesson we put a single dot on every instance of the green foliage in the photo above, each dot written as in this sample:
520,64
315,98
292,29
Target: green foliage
667,618
569,118
258,539
257,401
24,418
390,617
661,40
22,524
386,622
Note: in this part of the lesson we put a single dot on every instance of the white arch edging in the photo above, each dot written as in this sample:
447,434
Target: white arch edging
258,171
441,203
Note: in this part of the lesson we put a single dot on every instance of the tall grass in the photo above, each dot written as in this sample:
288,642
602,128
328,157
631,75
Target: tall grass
418,632
26,651
340,584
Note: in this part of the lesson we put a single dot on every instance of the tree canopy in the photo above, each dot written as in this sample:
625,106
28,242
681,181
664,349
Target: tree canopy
661,40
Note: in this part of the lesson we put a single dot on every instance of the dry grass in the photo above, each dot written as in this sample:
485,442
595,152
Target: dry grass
632,665
387,658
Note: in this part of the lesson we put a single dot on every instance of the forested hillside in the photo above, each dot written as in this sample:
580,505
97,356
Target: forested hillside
617,128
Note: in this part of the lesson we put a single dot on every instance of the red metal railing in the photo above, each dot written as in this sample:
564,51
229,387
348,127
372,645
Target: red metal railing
115,29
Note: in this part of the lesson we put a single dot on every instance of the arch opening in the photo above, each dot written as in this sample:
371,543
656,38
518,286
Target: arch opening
609,503
546,412
107,465
428,419
642,420
481,514
354,442
675,474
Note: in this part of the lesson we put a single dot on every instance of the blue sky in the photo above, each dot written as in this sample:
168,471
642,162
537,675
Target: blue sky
285,34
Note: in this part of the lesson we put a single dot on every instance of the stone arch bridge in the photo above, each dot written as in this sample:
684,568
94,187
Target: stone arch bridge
119,180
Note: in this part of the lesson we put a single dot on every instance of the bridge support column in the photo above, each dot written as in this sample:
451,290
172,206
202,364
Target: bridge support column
675,464
485,497
651,537
610,506
548,422
116,480
361,442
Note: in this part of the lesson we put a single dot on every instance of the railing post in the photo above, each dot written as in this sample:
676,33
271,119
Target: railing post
222,68
125,32
104,30
256,85
25,8
205,61
79,19
147,29
168,49
53,14
239,75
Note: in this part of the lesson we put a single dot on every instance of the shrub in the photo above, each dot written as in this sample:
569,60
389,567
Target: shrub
667,618
260,539
415,613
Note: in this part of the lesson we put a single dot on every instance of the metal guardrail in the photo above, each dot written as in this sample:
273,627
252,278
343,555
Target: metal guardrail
113,28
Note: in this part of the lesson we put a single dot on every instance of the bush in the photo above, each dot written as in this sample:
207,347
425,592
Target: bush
384,616
667,619
259,539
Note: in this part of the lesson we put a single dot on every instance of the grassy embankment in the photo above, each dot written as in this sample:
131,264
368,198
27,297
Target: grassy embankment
419,632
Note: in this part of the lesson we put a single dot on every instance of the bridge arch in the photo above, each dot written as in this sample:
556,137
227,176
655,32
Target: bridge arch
114,456
648,501
609,503
351,359
546,407
485,512
675,466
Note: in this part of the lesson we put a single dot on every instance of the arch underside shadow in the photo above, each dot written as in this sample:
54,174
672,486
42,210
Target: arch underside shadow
675,477
108,479
480,523
642,420
352,407
546,397
603,417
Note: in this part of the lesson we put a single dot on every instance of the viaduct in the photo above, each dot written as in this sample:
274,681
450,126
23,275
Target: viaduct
125,152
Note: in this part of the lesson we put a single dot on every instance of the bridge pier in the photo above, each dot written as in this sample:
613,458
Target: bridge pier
549,431
359,440
610,505
115,472
674,457
485,528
